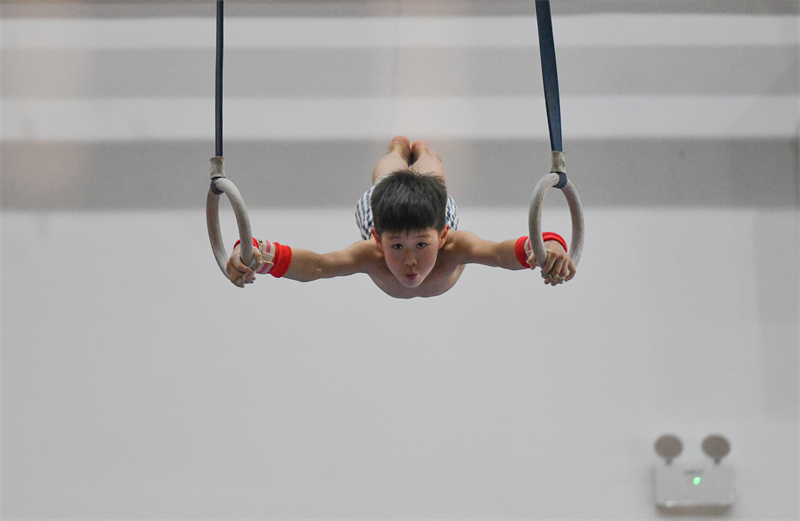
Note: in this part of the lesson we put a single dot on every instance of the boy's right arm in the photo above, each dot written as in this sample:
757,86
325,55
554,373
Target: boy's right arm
306,265
473,249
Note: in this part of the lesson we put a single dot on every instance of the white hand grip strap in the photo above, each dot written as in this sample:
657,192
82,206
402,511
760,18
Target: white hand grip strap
267,250
219,185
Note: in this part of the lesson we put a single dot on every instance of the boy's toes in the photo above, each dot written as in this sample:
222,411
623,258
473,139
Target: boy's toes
402,139
420,144
420,147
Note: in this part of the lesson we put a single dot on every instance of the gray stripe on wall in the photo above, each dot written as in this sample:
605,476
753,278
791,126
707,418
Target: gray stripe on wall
404,72
171,175
154,8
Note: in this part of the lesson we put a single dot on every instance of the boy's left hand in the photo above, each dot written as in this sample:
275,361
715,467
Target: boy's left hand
559,267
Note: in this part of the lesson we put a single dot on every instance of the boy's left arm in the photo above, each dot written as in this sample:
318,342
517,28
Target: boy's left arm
515,254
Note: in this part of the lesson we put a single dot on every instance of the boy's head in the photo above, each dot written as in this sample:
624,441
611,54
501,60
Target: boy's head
406,200
408,212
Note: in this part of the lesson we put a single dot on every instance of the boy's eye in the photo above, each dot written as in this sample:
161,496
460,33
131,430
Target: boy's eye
422,244
397,246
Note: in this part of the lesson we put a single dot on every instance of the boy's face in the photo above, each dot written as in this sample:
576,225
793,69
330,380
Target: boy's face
411,255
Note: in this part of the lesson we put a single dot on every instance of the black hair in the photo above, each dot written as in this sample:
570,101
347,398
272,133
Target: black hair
406,200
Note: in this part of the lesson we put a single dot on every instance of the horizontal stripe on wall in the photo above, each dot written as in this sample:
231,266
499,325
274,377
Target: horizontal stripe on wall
608,173
604,30
369,8
431,72
583,117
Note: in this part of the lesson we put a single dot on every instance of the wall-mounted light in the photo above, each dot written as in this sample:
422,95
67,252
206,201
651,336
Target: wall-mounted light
699,489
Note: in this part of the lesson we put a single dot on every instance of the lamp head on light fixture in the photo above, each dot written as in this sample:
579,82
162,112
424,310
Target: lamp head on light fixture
669,447
716,447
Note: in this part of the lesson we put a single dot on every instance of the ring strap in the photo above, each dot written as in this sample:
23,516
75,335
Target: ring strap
547,51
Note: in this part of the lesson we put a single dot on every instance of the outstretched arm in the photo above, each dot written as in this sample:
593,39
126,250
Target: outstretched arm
308,265
298,264
510,255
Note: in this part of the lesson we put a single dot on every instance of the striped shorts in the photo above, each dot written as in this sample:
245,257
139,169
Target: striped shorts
364,214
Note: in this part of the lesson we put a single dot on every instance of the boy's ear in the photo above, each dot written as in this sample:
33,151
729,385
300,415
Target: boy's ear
443,235
375,235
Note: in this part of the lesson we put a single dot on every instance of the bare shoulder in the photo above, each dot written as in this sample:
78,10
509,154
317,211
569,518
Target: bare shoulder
365,255
462,244
462,238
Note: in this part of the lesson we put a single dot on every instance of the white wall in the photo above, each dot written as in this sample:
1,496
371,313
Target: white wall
138,383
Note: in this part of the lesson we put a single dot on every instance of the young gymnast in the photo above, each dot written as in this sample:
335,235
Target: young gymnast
411,246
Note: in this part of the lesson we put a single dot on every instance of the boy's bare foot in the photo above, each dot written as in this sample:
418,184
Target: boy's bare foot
402,145
421,147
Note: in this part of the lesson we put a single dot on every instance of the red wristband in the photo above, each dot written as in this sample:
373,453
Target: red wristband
519,246
282,260
550,236
519,250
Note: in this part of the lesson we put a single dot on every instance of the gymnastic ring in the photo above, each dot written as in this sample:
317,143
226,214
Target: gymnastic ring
535,219
222,185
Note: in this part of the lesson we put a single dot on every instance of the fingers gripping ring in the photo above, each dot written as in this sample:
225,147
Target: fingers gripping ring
535,219
222,185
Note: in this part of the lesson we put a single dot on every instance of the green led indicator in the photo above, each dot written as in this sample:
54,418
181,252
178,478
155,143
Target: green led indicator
697,480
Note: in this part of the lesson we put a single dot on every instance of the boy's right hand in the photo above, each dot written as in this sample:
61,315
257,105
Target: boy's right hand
558,267
238,272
